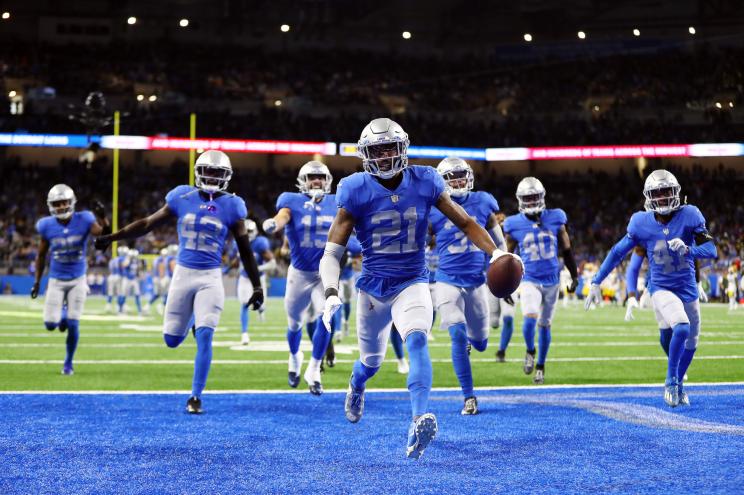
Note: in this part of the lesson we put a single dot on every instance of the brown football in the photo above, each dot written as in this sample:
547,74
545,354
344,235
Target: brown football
504,275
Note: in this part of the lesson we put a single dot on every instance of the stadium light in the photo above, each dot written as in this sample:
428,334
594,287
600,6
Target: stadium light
153,98
12,94
285,28
406,35
183,23
691,30
718,104
132,20
581,35
636,32
731,104
6,15
140,97
527,37
277,103
596,108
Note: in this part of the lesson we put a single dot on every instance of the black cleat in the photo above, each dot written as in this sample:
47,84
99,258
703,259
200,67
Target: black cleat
470,407
500,356
194,405
330,356
316,388
293,379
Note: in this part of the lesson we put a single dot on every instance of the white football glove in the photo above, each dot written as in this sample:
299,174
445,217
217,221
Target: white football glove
332,304
702,295
269,225
630,306
678,245
498,253
595,296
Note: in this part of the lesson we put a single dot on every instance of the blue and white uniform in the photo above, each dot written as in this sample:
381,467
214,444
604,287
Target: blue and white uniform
159,285
68,244
461,292
307,233
391,227
130,270
259,245
113,281
196,287
538,246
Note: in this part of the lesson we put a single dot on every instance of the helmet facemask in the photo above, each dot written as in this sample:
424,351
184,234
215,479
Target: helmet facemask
386,159
458,183
662,200
315,185
532,204
212,178
61,209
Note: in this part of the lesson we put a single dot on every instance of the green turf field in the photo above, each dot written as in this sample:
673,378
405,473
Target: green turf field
128,353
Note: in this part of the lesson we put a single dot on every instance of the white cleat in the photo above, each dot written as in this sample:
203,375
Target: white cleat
403,366
671,394
420,434
245,339
312,378
539,377
684,400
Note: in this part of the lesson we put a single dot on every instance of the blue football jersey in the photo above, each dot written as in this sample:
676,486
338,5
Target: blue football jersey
668,270
68,243
354,248
307,230
203,225
130,268
391,226
113,266
156,265
538,244
461,261
259,245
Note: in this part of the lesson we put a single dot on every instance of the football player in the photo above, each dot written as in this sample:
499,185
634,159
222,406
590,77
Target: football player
205,214
731,287
673,236
65,233
263,255
306,217
130,268
388,205
542,237
113,281
158,273
461,292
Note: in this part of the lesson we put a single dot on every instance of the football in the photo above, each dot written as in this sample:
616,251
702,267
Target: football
504,276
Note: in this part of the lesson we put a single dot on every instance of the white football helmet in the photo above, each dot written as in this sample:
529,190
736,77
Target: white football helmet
308,172
122,251
133,253
383,148
173,249
531,196
212,171
251,228
61,201
164,252
661,191
457,175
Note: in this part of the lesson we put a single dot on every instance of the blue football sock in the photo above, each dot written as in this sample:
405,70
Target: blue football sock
321,337
460,358
360,373
478,345
310,326
73,334
138,303
121,300
244,318
680,333
543,344
153,298
50,325
293,339
684,362
420,374
174,340
347,310
397,342
665,336
203,359
506,332
528,330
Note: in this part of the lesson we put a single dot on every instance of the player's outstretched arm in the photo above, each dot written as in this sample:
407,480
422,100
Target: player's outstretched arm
614,257
459,217
138,228
330,263
249,263
101,226
568,259
39,265
278,221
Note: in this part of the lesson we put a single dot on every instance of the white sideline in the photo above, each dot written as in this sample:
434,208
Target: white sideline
343,391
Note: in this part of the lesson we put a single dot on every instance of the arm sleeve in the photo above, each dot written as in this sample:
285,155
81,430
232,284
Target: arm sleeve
631,274
614,257
706,250
330,265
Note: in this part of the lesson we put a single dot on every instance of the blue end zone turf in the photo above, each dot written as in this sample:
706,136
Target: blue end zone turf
592,440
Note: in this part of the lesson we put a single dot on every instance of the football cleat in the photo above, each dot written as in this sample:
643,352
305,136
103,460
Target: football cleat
500,356
671,393
194,405
313,382
471,407
403,366
330,356
684,400
295,365
245,339
354,404
67,369
420,434
293,379
529,363
539,378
